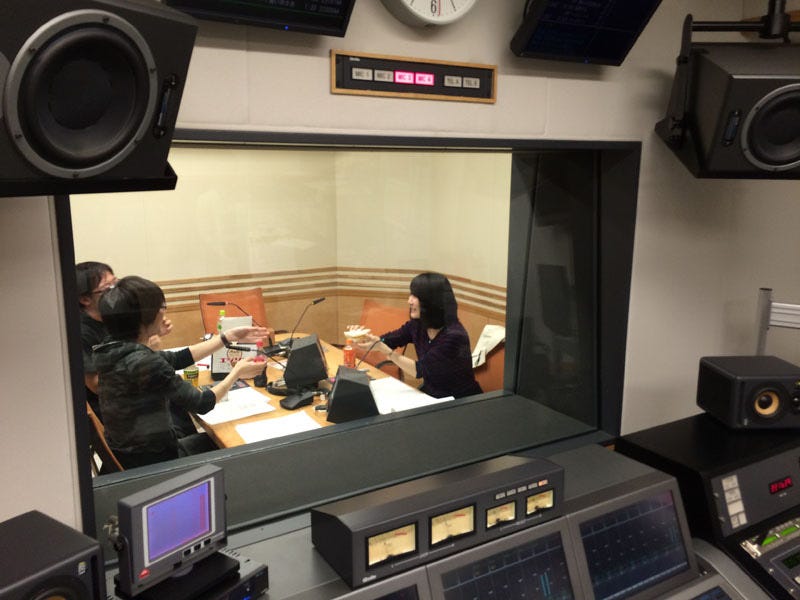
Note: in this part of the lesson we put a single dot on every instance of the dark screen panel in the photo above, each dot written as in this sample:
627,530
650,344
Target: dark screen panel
325,17
634,547
535,570
590,31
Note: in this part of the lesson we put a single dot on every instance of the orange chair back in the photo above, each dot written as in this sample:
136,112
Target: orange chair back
244,302
490,373
381,319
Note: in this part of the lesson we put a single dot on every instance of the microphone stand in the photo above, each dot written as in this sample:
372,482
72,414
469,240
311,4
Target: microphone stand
287,344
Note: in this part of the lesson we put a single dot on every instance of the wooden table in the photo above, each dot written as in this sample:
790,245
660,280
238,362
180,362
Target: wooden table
225,434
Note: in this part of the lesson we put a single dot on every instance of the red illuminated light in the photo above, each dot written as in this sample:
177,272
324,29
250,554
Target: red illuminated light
423,78
780,485
403,77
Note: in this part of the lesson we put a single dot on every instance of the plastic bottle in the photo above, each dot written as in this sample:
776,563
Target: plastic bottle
349,355
259,347
219,321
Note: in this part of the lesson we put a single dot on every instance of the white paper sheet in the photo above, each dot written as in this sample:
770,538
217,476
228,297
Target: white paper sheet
241,403
392,395
268,429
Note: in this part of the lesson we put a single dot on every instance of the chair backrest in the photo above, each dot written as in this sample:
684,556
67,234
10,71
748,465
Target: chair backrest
249,302
100,445
381,319
490,373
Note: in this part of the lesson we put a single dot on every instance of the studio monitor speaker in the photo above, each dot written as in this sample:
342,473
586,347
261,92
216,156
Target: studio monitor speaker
90,94
755,392
742,111
351,397
44,559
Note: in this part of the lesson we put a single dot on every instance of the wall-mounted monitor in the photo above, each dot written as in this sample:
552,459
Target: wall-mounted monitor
600,32
330,17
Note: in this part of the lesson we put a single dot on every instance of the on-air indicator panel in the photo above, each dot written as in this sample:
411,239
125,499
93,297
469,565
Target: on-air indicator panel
380,75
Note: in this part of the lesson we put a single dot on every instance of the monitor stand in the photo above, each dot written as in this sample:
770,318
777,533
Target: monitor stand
201,577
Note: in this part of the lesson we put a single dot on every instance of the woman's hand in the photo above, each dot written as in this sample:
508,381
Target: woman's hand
247,335
247,368
368,342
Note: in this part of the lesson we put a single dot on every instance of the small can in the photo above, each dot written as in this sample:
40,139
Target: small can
192,375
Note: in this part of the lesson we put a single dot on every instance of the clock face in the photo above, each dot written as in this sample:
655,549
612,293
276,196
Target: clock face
429,12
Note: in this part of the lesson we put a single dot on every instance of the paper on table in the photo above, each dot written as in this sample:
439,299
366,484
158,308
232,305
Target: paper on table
266,429
241,403
392,395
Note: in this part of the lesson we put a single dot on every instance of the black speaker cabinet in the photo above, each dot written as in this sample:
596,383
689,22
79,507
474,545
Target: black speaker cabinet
45,559
90,94
306,365
351,397
755,392
742,108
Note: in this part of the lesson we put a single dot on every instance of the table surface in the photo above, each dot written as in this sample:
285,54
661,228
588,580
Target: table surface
225,434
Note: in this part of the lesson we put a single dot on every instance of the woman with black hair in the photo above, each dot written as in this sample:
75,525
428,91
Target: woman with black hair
444,356
138,385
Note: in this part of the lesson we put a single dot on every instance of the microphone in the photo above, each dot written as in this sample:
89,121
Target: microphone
241,310
288,343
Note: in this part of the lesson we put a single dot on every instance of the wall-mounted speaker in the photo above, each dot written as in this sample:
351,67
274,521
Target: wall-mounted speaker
736,111
755,392
90,94
351,397
44,559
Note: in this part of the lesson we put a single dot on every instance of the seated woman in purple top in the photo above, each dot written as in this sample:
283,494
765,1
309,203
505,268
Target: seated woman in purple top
444,355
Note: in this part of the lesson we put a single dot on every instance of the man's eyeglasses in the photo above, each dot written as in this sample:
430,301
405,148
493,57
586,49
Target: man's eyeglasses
105,289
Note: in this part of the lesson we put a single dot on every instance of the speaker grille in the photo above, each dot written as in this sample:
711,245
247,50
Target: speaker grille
81,94
771,133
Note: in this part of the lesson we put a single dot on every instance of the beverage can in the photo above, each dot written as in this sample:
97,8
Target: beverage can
192,375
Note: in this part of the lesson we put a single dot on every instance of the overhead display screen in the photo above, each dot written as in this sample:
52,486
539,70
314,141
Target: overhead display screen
589,31
324,17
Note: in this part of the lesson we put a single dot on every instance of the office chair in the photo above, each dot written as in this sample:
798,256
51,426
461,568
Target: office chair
239,303
490,374
381,319
99,446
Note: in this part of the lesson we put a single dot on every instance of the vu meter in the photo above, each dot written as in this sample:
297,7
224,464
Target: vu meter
391,544
504,513
383,532
539,502
452,524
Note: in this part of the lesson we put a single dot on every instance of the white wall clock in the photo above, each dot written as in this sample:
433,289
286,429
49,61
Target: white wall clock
422,13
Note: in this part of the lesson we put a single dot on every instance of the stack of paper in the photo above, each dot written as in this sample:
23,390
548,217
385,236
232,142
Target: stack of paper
241,403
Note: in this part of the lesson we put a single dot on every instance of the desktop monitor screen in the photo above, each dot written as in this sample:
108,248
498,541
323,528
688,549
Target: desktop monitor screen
167,528
634,546
601,32
330,17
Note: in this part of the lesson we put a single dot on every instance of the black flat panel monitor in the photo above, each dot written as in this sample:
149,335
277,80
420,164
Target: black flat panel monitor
306,365
534,563
634,545
323,17
351,397
588,31
167,528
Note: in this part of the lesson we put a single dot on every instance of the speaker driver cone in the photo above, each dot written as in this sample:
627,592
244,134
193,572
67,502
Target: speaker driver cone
767,404
771,132
81,94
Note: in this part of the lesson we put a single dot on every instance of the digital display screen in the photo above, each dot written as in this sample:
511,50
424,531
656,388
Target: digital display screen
635,547
781,484
325,17
176,520
590,31
791,561
536,569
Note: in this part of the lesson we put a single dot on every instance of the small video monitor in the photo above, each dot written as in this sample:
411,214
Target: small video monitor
351,397
168,528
